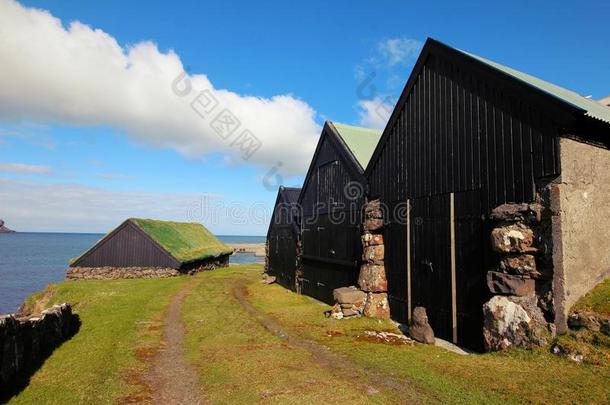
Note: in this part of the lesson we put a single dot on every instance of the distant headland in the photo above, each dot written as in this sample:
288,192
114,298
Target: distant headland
4,229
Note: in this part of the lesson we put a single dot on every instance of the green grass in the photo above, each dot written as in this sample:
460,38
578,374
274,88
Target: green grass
513,376
597,300
118,318
239,361
185,241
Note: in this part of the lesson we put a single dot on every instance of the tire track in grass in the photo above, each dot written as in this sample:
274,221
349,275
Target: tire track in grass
367,380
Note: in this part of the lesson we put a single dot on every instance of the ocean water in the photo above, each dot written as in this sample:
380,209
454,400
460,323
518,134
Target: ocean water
30,261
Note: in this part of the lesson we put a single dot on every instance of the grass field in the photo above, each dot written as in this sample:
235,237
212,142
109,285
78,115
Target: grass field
308,358
120,319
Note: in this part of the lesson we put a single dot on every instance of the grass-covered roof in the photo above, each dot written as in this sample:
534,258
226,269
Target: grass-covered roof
186,241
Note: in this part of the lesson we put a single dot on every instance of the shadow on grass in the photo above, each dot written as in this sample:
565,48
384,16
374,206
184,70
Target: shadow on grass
31,350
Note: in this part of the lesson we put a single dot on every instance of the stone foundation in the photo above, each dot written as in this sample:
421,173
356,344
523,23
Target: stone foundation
113,273
521,312
26,341
371,300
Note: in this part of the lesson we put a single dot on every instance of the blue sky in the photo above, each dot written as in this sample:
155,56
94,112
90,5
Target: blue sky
305,60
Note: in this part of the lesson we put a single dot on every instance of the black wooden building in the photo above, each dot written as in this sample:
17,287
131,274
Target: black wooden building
148,243
331,200
283,238
466,135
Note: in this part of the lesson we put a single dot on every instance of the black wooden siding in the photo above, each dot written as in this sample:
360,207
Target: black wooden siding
331,221
282,238
127,246
458,130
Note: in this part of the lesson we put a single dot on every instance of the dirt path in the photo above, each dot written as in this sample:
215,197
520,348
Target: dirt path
172,378
368,380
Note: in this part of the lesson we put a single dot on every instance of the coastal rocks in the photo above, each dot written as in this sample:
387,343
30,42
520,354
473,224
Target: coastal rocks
419,328
4,229
507,324
26,342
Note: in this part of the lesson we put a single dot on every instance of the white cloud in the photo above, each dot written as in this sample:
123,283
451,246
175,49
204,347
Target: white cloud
375,113
44,207
82,76
399,50
24,169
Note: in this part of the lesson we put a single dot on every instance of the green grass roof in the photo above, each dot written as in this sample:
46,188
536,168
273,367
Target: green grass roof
591,107
186,241
360,141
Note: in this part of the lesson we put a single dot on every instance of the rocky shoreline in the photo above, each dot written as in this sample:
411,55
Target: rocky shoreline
4,229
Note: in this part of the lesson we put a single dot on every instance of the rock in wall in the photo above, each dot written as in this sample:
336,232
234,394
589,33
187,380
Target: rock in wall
521,312
26,342
113,273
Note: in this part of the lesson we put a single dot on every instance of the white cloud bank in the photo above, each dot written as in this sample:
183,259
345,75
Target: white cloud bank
375,113
29,205
81,76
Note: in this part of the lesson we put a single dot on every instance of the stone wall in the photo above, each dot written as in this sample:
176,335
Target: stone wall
580,200
26,342
371,299
521,311
113,273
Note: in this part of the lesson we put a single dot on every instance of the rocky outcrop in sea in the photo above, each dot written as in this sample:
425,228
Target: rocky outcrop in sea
4,229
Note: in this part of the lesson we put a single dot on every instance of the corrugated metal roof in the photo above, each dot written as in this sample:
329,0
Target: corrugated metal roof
591,107
360,141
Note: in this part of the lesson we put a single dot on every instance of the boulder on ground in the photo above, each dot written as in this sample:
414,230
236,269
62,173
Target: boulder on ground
372,278
419,328
507,324
514,238
349,295
585,320
377,306
267,279
507,284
